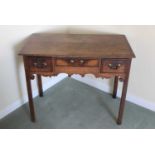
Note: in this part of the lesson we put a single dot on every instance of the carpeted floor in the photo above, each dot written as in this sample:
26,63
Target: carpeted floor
74,105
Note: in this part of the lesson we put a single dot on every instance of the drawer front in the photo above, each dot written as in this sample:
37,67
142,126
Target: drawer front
76,70
114,65
76,62
40,64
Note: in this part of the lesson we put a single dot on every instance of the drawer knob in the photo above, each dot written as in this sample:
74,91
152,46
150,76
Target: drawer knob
40,64
81,61
114,66
72,61
45,64
35,64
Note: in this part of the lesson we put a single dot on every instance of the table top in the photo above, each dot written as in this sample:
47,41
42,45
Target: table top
77,45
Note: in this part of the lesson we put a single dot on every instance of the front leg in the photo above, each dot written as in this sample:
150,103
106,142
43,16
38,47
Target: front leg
30,97
123,97
29,90
122,102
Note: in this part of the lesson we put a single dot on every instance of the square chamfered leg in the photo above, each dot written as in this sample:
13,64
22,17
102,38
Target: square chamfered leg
115,87
39,82
123,97
29,90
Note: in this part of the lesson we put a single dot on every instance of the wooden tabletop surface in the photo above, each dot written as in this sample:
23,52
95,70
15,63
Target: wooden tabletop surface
77,45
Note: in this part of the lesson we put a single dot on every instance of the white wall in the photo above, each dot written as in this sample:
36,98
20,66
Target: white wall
12,77
142,41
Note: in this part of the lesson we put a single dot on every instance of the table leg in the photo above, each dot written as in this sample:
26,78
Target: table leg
29,89
40,89
122,102
115,87
30,97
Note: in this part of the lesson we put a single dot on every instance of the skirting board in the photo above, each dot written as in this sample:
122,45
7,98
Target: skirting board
92,81
99,84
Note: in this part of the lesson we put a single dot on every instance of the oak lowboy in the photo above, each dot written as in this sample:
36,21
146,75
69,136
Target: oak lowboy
102,55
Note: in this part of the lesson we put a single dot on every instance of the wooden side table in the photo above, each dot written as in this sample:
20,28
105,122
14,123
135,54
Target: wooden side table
102,55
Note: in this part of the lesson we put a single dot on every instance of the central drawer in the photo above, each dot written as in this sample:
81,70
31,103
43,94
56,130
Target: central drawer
76,65
76,62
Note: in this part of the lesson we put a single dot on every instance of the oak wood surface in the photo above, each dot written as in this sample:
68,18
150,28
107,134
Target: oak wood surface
114,65
77,62
77,45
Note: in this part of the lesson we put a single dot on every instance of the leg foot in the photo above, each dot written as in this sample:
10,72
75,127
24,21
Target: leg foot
119,122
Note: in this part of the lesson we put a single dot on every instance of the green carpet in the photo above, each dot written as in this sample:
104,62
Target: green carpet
74,105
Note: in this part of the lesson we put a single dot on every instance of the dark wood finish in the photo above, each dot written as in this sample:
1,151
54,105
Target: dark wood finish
39,82
77,62
122,103
29,90
76,70
114,65
77,45
115,86
102,55
40,64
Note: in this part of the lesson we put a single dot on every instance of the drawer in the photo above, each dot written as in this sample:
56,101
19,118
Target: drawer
40,64
77,62
114,65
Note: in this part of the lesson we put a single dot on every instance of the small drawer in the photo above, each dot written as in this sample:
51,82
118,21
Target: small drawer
114,65
77,62
40,64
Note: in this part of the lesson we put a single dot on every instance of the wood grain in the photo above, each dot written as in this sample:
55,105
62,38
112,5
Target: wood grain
75,45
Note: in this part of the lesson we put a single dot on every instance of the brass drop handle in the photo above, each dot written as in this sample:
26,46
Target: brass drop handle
114,66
